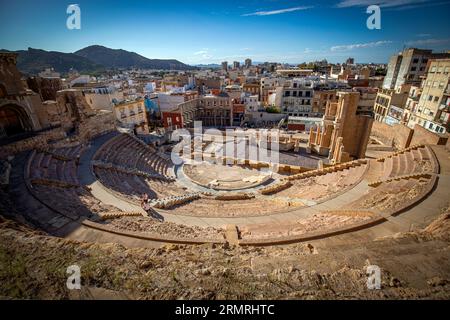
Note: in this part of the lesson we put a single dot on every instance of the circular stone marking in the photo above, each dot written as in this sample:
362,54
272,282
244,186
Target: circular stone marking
222,177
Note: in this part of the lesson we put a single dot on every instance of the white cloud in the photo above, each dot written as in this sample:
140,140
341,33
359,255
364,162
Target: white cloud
348,47
423,35
427,42
381,3
280,11
203,54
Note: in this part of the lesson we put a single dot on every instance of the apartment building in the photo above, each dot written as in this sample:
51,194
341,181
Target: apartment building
295,98
132,114
170,100
211,110
252,88
408,67
389,103
268,85
412,103
433,108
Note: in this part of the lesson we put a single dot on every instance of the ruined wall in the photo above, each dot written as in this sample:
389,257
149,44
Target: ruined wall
398,135
401,137
96,125
423,136
36,142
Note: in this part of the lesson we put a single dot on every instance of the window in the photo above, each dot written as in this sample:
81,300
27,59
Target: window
416,60
436,99
430,97
433,69
413,69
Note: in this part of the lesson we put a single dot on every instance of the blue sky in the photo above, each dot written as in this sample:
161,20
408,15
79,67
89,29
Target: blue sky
200,31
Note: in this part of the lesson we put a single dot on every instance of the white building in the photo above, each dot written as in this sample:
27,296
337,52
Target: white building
296,98
251,102
169,101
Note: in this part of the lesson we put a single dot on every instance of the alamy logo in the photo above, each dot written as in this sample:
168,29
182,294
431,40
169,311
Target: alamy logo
374,20
74,278
373,277
74,20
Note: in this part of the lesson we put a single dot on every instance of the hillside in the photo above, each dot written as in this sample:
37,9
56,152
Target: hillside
118,58
33,61
91,59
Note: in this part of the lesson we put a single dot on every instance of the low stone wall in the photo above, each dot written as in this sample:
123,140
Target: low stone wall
234,196
149,236
277,187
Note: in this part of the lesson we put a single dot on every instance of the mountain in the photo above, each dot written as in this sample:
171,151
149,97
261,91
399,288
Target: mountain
33,61
118,58
90,60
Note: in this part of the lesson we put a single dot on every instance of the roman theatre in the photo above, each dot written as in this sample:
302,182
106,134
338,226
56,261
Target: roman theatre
114,187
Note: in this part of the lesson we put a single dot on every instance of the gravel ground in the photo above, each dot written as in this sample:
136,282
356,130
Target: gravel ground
143,224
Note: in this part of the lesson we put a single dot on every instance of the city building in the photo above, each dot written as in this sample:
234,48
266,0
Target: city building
411,106
248,63
433,109
252,88
170,100
225,66
295,98
295,72
268,85
211,110
132,114
251,102
390,103
408,66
